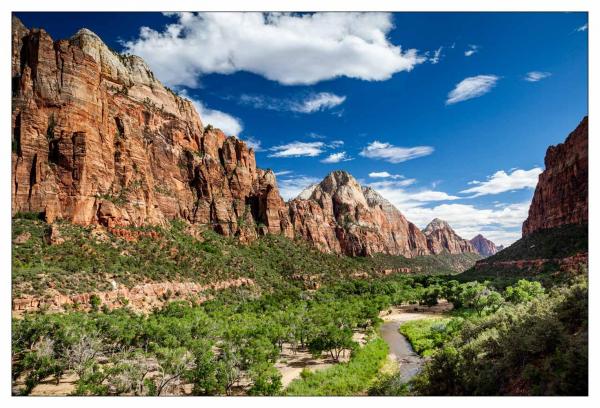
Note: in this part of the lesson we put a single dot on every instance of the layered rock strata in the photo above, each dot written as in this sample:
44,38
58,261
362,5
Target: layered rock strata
561,195
96,138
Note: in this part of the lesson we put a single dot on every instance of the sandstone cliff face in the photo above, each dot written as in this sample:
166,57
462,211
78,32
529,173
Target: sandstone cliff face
561,195
339,215
97,139
442,238
484,246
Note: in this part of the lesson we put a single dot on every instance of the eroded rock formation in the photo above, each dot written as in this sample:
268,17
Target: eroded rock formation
442,238
484,246
339,215
561,195
98,139
141,297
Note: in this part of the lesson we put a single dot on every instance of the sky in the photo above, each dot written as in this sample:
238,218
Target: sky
446,115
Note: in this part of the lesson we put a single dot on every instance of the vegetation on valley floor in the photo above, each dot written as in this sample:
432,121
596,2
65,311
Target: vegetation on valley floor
535,336
87,262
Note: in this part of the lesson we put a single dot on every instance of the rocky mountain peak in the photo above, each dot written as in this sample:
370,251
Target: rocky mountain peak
437,224
484,246
442,238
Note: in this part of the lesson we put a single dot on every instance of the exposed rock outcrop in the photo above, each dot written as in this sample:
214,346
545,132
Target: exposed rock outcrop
339,215
98,139
561,195
484,246
442,238
141,297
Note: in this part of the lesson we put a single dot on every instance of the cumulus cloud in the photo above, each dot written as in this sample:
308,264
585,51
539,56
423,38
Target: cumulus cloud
229,124
298,149
312,103
535,76
394,154
502,181
288,48
501,224
471,87
336,158
384,174
290,187
472,49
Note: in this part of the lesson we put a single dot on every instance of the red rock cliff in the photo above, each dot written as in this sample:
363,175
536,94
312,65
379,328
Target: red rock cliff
561,195
339,215
442,238
98,139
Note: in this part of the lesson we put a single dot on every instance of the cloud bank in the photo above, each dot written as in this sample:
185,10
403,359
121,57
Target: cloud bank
291,49
501,181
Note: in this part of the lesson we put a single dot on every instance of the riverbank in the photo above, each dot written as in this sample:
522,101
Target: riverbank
400,350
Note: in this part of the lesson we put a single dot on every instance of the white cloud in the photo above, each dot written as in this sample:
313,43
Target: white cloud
319,102
229,124
472,49
336,143
436,56
290,187
283,172
501,182
500,224
583,27
298,149
394,154
429,195
284,47
253,143
384,174
535,76
471,87
392,184
336,158
312,103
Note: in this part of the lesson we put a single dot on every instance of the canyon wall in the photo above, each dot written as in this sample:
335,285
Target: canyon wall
561,195
98,139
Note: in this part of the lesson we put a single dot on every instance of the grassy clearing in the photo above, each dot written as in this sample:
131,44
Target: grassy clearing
351,378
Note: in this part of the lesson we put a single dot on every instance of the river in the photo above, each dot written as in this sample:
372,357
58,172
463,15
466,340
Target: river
409,361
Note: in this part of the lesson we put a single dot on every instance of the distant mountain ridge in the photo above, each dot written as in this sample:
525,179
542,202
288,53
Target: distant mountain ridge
484,246
442,238
340,215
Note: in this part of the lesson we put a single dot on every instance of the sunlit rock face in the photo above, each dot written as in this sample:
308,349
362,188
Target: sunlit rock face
441,238
561,195
339,215
97,139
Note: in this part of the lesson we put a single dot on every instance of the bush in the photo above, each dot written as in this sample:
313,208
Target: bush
348,378
535,348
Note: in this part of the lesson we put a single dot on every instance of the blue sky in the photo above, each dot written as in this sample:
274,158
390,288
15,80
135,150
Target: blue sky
447,115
